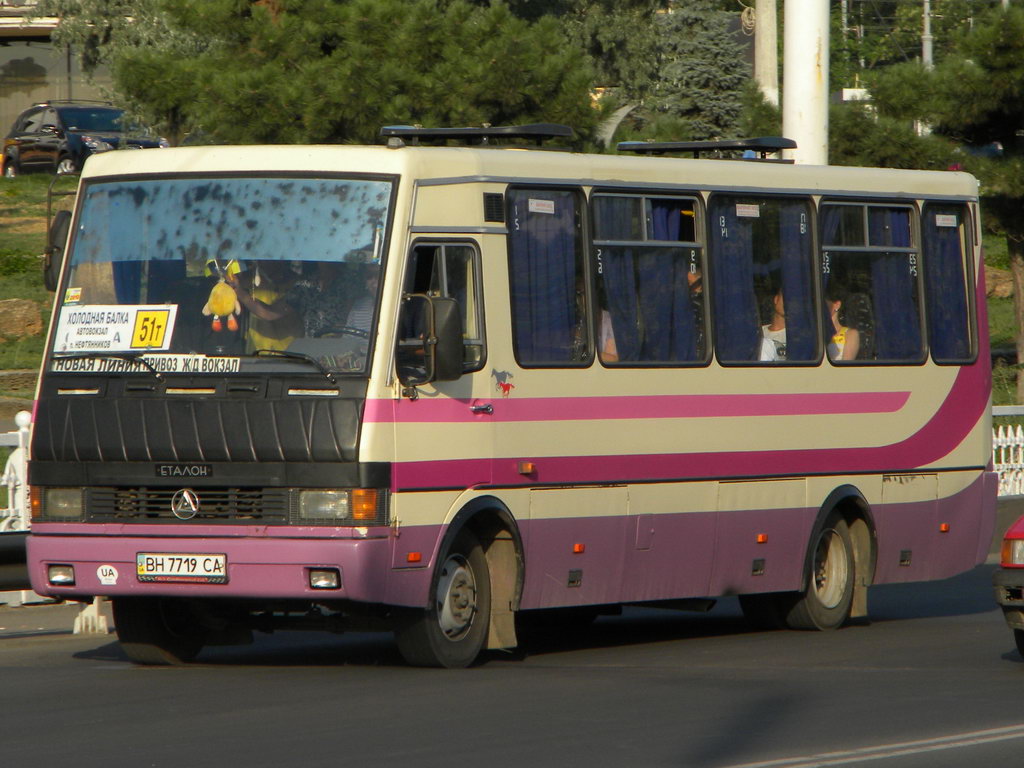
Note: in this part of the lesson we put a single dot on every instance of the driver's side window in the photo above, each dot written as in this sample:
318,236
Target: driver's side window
446,270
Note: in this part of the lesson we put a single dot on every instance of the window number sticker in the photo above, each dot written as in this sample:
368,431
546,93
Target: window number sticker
542,206
150,328
748,210
945,220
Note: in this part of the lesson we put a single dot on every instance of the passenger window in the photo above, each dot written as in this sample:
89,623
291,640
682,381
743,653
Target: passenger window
761,257
945,240
650,289
443,270
546,276
869,278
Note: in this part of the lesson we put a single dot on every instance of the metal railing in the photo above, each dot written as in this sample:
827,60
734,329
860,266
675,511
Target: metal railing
14,516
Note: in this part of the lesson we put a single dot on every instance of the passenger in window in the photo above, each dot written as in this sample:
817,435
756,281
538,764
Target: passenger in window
267,285
694,279
360,316
773,333
606,348
845,341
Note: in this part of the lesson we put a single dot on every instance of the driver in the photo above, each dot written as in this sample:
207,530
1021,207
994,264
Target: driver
319,300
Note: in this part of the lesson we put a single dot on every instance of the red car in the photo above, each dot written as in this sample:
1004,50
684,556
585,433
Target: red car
1009,581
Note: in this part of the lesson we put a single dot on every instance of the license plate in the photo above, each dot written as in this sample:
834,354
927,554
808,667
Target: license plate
177,566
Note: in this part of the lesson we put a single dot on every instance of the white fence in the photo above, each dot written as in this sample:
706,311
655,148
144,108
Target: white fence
15,515
1008,451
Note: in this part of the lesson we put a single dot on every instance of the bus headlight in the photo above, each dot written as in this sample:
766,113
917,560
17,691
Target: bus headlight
63,504
358,506
323,506
1013,552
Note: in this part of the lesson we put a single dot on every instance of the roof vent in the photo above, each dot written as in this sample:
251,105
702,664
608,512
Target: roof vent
536,132
753,149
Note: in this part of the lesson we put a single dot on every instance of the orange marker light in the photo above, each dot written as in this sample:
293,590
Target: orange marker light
364,504
762,538
413,557
578,548
526,468
944,527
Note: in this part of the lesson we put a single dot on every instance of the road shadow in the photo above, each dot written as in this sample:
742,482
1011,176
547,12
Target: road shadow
967,594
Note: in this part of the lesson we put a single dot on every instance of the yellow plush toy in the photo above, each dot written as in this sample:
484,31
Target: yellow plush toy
223,302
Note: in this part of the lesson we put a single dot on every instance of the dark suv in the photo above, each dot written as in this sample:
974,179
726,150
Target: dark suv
60,135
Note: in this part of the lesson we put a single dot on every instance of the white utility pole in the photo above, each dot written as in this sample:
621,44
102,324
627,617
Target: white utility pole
926,36
766,49
805,80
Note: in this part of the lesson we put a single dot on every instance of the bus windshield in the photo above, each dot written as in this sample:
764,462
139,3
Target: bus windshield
223,274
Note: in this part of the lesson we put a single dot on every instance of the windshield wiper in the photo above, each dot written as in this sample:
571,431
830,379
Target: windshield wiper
130,357
297,356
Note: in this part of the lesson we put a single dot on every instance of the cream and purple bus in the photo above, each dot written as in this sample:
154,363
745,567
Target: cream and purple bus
433,389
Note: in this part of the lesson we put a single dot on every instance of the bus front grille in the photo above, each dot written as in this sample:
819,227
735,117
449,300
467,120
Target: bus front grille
215,505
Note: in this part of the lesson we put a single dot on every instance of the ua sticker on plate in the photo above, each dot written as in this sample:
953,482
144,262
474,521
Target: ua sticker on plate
107,575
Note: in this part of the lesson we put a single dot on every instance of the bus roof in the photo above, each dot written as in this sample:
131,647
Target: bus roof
440,165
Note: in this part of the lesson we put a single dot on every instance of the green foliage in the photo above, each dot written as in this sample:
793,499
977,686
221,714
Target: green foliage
758,117
695,88
14,262
328,71
857,136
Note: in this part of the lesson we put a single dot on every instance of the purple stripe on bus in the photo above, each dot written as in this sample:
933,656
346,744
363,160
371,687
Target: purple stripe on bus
949,425
449,410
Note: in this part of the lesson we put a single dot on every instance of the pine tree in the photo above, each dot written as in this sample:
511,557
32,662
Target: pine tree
701,72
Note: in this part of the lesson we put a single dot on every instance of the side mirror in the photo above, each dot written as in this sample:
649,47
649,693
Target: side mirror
436,326
56,239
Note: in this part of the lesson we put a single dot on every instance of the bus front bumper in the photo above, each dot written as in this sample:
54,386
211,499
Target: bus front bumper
257,568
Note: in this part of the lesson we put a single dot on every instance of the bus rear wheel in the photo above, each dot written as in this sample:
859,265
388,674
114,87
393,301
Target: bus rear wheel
157,631
452,630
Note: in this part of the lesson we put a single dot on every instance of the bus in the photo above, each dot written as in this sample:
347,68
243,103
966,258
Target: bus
438,389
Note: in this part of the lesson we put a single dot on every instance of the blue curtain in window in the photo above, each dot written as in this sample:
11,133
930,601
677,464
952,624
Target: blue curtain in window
161,275
667,315
946,287
898,326
618,273
797,290
737,324
542,263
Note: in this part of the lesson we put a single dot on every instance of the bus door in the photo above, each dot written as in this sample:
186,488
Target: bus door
449,421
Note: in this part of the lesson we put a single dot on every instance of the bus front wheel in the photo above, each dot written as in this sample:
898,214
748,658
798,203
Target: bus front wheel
155,630
452,630
826,602
828,597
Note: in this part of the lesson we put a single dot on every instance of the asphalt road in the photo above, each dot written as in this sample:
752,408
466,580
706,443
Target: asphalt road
933,680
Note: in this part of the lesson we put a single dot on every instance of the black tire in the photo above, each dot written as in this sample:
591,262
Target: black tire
452,631
1018,638
157,631
826,602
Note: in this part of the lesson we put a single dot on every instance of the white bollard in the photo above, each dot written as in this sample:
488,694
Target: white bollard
90,620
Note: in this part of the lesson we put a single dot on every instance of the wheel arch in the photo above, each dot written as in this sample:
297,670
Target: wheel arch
494,526
847,501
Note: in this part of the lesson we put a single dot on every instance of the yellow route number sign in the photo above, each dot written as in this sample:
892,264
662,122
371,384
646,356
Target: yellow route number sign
150,328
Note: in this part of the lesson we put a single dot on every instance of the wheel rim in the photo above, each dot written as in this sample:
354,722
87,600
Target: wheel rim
831,569
66,166
9,171
456,598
